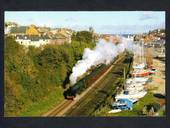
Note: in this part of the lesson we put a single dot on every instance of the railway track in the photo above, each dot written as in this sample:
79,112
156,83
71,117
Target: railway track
95,97
59,110
65,105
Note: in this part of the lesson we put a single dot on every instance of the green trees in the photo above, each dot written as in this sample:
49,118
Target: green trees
15,67
34,73
83,36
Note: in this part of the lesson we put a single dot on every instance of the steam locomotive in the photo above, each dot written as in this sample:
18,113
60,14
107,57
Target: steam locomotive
85,82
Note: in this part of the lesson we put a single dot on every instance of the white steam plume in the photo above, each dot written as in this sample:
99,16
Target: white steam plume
103,53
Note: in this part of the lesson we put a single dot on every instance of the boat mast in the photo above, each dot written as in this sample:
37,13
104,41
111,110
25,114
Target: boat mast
124,77
143,59
143,52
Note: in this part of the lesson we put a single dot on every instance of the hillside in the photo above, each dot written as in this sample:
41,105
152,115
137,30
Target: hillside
153,35
36,77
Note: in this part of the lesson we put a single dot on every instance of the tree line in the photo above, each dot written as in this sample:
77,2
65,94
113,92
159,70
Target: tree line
33,73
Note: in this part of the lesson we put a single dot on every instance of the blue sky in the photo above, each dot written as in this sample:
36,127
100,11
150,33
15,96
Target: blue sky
112,22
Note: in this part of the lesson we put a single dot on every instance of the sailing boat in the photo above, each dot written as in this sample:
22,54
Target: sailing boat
141,73
132,91
141,64
136,80
131,94
139,70
134,87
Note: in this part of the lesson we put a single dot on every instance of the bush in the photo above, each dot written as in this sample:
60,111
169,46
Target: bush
32,74
83,36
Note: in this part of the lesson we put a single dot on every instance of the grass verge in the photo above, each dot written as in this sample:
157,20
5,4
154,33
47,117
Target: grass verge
42,106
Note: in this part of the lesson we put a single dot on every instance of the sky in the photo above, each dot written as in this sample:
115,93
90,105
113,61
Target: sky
111,22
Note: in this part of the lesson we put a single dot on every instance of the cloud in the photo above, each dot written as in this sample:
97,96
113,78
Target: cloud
70,19
147,16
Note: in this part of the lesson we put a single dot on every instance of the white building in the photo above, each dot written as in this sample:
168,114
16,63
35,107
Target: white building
32,41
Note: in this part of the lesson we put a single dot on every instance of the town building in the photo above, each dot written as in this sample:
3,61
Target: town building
65,32
32,40
38,36
32,30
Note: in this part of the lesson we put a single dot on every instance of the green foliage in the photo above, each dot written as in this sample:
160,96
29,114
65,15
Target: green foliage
42,106
83,36
21,29
32,74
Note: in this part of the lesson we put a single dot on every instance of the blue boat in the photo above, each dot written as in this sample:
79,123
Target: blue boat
123,104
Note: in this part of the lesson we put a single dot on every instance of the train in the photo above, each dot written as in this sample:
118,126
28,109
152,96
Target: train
87,81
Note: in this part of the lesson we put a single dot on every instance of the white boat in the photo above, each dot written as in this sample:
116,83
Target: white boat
132,88
141,80
131,94
139,66
134,84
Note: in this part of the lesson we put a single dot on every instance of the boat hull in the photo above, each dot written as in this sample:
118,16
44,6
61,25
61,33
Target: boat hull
131,96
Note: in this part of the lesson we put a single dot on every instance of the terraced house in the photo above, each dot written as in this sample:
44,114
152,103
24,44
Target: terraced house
38,36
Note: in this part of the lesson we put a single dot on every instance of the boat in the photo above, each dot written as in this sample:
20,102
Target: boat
133,85
135,94
122,104
141,73
138,88
139,66
136,80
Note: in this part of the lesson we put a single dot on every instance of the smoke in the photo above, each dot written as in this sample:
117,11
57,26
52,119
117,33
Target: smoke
103,53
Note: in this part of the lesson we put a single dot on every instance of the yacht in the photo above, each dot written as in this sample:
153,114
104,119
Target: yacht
133,94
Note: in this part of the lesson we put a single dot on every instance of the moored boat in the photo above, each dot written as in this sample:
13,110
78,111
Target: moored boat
137,80
131,94
141,73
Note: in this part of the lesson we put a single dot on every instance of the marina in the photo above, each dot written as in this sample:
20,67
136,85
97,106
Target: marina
136,87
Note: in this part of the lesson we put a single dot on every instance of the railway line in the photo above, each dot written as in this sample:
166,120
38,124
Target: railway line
67,106
60,109
97,96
